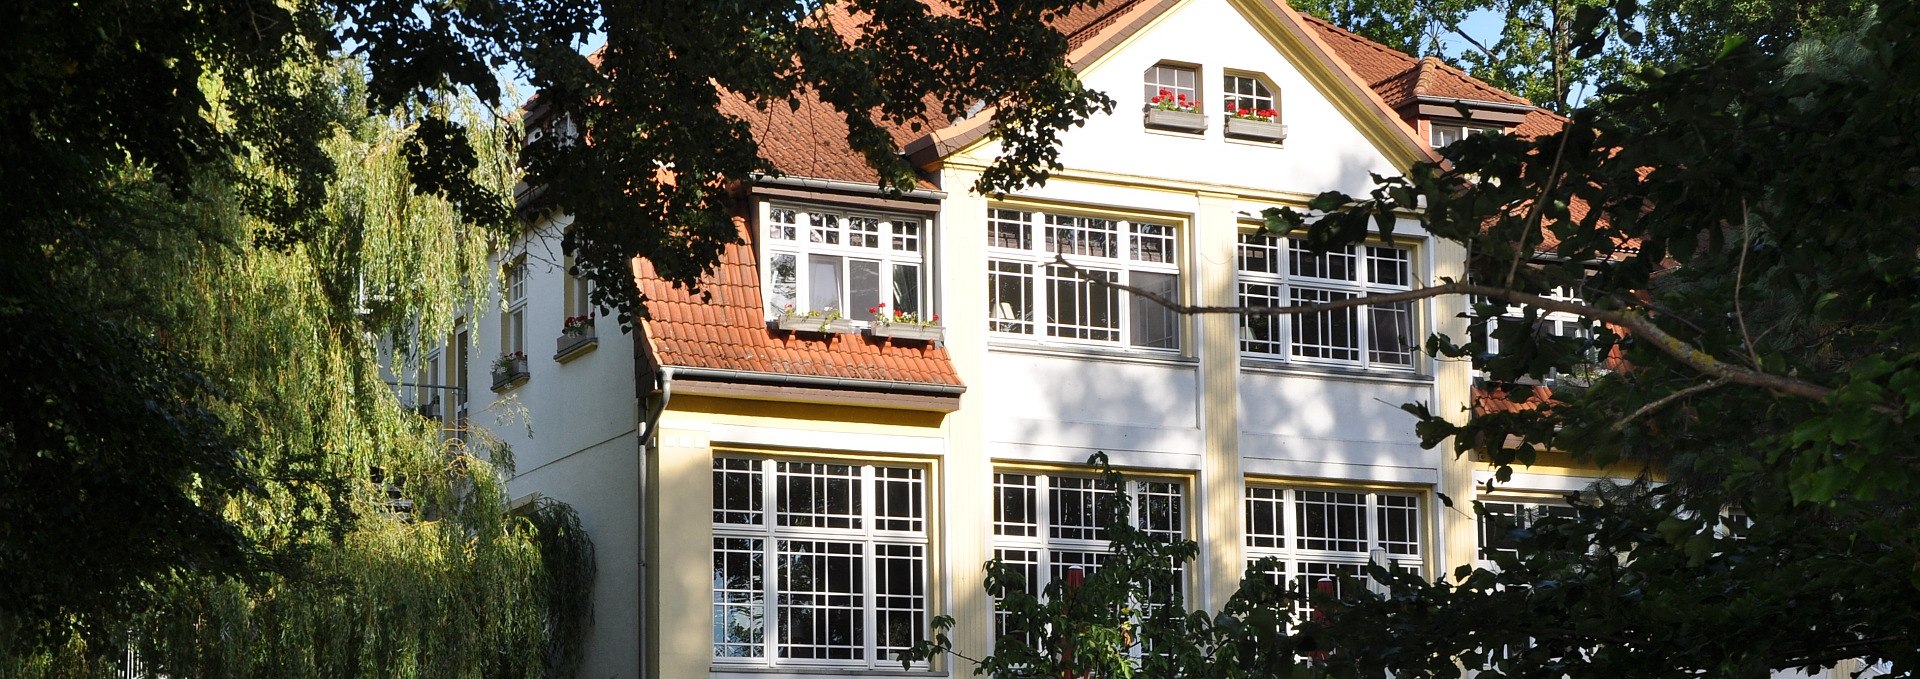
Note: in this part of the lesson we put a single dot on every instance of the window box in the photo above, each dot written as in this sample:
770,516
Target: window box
1184,121
909,331
1258,130
566,347
816,324
509,372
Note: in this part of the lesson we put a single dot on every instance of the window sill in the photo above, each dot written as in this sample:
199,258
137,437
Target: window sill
567,348
721,671
504,381
1251,364
1138,356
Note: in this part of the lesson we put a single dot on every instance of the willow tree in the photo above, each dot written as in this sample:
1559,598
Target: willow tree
345,535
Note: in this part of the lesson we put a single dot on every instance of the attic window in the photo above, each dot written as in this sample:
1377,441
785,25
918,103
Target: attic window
1173,98
1245,93
1443,135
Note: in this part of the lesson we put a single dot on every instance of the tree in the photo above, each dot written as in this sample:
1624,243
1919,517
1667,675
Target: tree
1743,233
1533,50
146,146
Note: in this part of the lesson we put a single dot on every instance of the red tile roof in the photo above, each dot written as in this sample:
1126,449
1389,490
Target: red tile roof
729,331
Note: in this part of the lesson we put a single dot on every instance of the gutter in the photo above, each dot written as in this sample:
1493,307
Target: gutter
850,187
1475,103
779,379
665,380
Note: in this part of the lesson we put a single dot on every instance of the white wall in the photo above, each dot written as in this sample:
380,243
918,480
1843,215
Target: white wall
1062,408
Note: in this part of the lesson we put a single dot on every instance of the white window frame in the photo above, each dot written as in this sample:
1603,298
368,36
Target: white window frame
1535,508
1441,135
889,240
871,533
1278,283
513,317
1022,244
1306,557
1230,93
1047,543
578,291
1167,76
1555,323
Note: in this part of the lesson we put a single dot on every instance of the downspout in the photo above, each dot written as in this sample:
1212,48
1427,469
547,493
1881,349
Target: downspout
648,440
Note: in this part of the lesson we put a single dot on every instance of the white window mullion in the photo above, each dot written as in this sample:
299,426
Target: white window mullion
869,559
770,565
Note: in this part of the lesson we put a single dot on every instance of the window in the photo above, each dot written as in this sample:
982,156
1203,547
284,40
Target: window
1028,295
1045,525
1284,272
1326,533
1247,93
1177,81
457,371
513,323
578,292
819,260
1442,134
1555,324
1502,517
818,563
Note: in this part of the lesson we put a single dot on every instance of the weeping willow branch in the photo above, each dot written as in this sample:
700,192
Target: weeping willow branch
1641,327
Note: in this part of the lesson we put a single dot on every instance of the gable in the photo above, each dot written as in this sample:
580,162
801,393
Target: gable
1339,131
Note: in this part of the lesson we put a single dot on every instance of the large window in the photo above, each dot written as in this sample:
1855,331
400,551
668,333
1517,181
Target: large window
818,259
1044,524
1278,271
817,563
1325,533
1027,294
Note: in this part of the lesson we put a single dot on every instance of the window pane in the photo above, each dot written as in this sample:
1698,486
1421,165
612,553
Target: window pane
1389,266
1260,334
785,288
1337,264
1331,334
906,236
1158,506
899,599
825,282
1399,519
1083,236
1390,330
898,499
819,495
781,224
1259,254
906,289
737,491
1152,243
739,617
1009,229
864,290
1079,309
1014,508
1331,521
1078,505
820,600
863,232
1153,324
1266,518
823,228
1010,296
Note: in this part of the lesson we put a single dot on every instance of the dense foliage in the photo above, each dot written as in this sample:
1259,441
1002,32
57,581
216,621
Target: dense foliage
1742,234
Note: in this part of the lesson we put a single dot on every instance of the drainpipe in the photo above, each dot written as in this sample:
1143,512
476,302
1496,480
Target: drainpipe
649,439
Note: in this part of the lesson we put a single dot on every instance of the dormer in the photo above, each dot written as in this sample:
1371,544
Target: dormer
1446,105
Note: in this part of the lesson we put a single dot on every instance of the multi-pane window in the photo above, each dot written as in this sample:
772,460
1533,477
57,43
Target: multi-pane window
513,323
1175,81
1321,534
578,292
1443,135
1502,517
818,259
1278,271
1247,93
1047,524
1028,294
1547,324
818,563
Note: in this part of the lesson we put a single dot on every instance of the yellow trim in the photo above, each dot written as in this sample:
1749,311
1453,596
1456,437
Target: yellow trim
1094,210
1264,480
816,455
1131,473
806,415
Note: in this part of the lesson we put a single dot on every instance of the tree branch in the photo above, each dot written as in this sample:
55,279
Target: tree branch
1641,327
1665,400
1739,281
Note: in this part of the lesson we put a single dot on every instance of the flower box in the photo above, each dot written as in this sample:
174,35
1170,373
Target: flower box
509,373
1258,130
566,347
909,331
1184,121
815,324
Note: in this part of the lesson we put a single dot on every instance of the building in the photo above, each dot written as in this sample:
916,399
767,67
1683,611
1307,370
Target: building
773,492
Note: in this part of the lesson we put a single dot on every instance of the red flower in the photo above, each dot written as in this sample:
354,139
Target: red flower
1156,100
1166,92
1230,107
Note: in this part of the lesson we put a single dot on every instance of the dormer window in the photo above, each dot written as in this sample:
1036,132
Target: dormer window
1443,134
859,264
